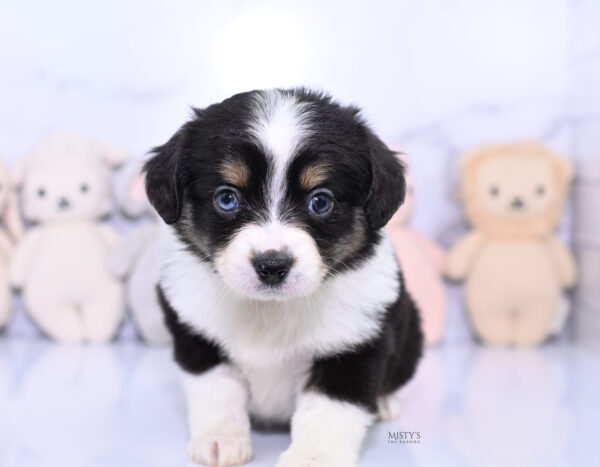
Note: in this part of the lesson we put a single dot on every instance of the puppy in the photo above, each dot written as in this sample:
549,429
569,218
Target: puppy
279,286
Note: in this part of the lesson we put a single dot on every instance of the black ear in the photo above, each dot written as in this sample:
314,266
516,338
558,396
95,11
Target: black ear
388,186
164,183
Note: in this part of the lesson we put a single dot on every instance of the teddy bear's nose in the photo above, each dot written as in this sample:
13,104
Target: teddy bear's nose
64,203
517,203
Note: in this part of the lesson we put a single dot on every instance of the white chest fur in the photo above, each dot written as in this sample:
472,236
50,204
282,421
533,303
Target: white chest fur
274,342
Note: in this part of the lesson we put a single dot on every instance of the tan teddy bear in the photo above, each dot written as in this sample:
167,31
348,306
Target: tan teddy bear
515,267
62,262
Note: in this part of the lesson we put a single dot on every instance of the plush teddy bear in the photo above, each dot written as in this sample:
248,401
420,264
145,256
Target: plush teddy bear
422,263
62,262
137,260
10,233
515,267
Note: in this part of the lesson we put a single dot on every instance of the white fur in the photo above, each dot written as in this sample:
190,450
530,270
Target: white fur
273,336
345,310
218,420
275,386
280,125
235,266
389,407
325,432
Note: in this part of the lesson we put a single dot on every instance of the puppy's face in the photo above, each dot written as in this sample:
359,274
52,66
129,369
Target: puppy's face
277,190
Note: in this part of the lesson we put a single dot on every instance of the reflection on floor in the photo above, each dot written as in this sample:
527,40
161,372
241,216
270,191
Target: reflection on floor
122,405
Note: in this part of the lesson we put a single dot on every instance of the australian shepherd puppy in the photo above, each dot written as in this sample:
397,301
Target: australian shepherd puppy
278,282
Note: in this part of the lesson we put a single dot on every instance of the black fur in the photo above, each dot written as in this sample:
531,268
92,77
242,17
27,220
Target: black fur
193,352
366,180
377,367
368,185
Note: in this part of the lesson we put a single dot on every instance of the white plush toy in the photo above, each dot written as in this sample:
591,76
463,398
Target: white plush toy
62,263
137,260
10,233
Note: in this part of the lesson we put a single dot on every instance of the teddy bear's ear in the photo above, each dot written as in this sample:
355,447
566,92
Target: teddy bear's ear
388,186
17,174
111,154
466,159
133,199
566,167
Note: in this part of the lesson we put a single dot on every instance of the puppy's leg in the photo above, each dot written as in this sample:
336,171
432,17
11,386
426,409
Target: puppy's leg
216,396
218,420
336,409
326,432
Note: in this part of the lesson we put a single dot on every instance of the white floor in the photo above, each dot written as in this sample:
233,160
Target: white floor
121,405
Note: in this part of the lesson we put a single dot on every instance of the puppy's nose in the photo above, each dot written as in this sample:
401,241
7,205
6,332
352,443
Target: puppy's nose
517,203
272,266
63,203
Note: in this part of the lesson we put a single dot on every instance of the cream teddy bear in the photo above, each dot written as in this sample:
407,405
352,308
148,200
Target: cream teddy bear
422,263
515,267
10,233
137,260
62,263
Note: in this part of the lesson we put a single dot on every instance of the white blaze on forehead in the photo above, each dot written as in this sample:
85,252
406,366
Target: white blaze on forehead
280,126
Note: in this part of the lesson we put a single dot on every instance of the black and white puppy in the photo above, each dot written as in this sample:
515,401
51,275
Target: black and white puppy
279,285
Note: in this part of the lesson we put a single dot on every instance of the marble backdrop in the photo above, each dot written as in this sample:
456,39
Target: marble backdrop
585,144
433,77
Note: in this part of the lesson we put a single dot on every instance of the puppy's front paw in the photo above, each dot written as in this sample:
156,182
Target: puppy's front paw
294,457
221,449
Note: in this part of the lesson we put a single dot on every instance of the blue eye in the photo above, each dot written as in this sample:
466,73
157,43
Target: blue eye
227,200
320,202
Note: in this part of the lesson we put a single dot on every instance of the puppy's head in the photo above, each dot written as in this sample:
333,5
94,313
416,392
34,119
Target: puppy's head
277,190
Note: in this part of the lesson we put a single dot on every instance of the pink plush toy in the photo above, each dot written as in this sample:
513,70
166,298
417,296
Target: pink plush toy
422,262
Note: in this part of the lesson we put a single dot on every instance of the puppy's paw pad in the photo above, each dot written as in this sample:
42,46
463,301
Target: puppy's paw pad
221,450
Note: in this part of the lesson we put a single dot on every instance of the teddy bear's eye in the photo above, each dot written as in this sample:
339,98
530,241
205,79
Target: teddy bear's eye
494,190
84,188
540,190
41,192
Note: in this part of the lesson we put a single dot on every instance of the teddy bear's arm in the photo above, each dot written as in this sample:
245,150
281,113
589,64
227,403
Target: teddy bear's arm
460,258
565,262
111,237
24,256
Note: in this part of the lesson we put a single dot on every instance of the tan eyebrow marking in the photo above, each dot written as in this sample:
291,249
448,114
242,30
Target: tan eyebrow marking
235,172
313,175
